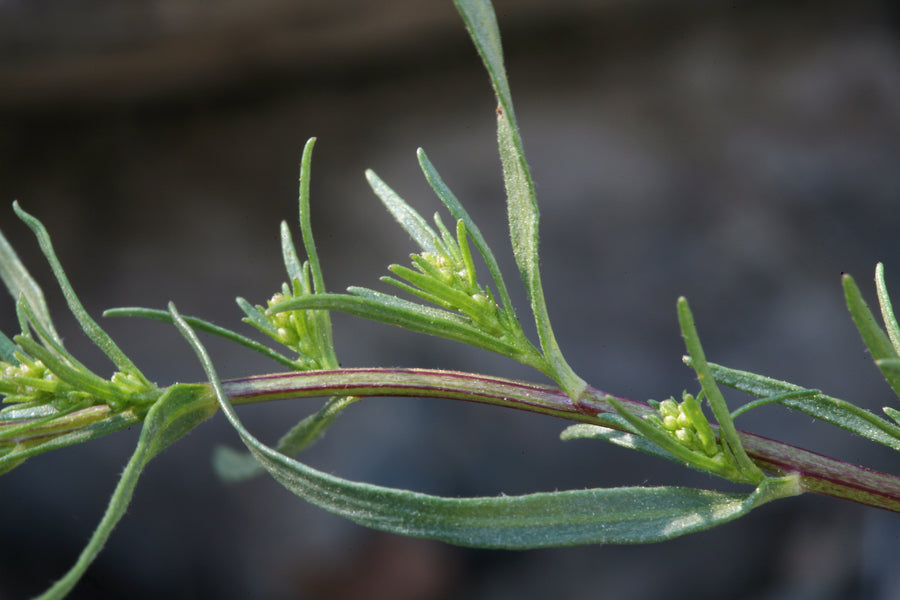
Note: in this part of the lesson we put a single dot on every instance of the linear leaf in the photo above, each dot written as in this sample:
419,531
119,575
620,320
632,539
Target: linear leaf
727,432
406,216
873,335
521,200
826,408
19,282
204,326
887,309
8,350
456,209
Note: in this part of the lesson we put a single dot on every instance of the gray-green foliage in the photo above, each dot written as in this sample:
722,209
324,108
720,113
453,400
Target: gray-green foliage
53,401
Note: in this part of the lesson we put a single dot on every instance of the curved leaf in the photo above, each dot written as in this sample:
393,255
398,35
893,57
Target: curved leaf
617,515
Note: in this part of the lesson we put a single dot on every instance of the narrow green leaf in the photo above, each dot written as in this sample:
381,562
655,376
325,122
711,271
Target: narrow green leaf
80,379
820,406
456,209
8,350
892,413
876,340
51,344
448,295
778,399
890,368
481,22
321,319
256,317
20,283
100,338
618,515
178,411
727,431
412,290
305,221
292,263
887,309
405,215
204,326
522,208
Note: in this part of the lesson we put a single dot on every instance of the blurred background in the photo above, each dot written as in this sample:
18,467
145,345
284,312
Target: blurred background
744,154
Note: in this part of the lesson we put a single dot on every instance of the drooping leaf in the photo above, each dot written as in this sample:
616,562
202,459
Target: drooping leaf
617,515
232,466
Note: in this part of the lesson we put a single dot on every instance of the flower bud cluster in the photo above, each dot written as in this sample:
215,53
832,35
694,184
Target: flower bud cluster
686,423
33,383
445,275
28,381
294,329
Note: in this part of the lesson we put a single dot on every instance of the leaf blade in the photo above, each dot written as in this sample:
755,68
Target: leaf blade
617,515
826,408
521,200
19,282
408,218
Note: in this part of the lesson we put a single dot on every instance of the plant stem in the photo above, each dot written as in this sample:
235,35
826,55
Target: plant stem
818,474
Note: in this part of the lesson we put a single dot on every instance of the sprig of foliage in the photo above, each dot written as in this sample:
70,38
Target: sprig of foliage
52,400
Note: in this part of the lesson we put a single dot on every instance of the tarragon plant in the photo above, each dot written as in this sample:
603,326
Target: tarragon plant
52,400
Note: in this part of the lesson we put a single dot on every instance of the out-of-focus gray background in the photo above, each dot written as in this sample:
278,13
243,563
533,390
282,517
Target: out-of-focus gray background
744,154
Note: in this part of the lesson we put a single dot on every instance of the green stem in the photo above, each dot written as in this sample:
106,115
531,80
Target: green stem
818,474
